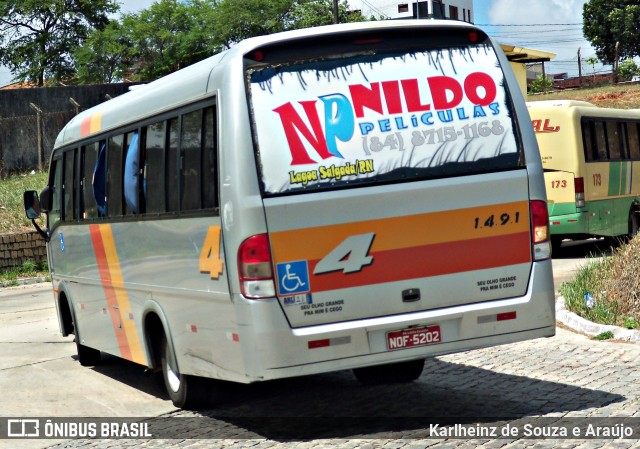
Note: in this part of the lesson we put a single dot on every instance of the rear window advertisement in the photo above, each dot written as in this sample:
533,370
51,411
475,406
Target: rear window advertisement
381,118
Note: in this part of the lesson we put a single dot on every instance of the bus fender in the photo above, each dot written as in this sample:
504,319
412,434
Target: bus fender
154,321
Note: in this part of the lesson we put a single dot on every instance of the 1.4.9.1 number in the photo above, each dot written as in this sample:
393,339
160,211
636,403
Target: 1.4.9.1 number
492,220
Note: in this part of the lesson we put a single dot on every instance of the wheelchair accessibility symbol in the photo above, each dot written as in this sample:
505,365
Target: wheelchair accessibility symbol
293,277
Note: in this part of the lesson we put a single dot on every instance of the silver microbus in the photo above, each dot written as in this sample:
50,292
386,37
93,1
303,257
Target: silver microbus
358,196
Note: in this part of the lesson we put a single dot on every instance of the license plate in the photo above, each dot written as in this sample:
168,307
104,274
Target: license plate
416,336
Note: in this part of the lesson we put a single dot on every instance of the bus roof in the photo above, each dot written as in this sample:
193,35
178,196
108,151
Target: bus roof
193,83
559,104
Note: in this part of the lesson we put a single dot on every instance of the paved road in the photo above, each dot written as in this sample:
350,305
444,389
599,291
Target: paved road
567,376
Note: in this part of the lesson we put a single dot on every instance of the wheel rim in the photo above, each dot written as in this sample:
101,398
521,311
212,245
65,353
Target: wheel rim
172,375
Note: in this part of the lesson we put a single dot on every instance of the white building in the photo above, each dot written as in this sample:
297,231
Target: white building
426,9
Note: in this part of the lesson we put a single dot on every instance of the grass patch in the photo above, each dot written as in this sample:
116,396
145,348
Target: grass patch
607,291
608,335
29,269
12,217
622,96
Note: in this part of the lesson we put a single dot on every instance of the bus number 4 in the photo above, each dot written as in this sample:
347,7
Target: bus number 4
349,256
210,261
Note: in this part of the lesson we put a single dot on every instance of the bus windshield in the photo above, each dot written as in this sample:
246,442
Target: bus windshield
384,117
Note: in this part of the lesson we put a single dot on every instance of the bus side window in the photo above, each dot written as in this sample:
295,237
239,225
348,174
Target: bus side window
172,184
89,157
191,150
601,140
614,141
590,150
69,187
634,141
100,180
56,193
209,161
131,175
154,170
114,176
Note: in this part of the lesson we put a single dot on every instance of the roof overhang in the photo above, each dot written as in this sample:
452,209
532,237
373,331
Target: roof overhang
526,55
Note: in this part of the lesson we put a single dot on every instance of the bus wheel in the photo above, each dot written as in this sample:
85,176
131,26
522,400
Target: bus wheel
86,356
556,243
187,392
401,372
633,223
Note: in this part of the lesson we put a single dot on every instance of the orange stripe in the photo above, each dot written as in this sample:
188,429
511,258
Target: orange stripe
403,232
432,260
85,126
116,295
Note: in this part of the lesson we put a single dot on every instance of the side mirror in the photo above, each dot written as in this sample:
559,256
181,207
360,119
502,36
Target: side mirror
32,204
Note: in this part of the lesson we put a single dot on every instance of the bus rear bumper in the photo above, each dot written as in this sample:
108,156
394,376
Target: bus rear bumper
317,349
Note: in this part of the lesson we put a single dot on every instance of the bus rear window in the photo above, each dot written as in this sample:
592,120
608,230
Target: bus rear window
381,117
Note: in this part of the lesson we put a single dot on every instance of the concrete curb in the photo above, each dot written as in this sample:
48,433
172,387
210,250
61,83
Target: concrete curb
25,281
579,324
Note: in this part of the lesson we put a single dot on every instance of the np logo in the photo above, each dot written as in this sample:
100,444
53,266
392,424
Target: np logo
293,277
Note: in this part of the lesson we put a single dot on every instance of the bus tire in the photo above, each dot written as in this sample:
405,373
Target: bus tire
634,224
401,372
186,392
556,243
86,356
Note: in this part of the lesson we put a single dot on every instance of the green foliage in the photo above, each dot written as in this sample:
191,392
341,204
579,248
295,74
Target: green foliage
12,216
607,335
611,22
172,34
38,37
590,279
630,323
541,84
313,13
627,69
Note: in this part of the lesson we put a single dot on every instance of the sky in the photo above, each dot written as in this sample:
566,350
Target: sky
548,25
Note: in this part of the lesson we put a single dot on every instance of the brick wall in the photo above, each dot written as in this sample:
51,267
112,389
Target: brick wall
18,248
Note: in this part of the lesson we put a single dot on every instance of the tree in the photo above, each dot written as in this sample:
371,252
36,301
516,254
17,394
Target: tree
611,22
312,13
104,57
172,34
38,37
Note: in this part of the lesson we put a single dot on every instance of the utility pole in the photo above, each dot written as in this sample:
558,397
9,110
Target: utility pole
615,64
579,67
335,11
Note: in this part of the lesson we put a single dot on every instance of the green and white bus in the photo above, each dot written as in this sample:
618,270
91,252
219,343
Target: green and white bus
359,196
591,159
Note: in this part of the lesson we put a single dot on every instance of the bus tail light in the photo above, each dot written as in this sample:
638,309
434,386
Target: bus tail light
540,230
254,268
579,186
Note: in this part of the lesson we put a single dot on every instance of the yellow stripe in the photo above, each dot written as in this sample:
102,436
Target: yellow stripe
122,298
96,122
404,232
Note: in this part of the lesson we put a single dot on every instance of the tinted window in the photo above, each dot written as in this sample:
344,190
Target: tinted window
87,201
191,147
380,118
154,170
69,212
601,141
172,167
56,192
209,169
634,141
114,176
590,149
614,141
